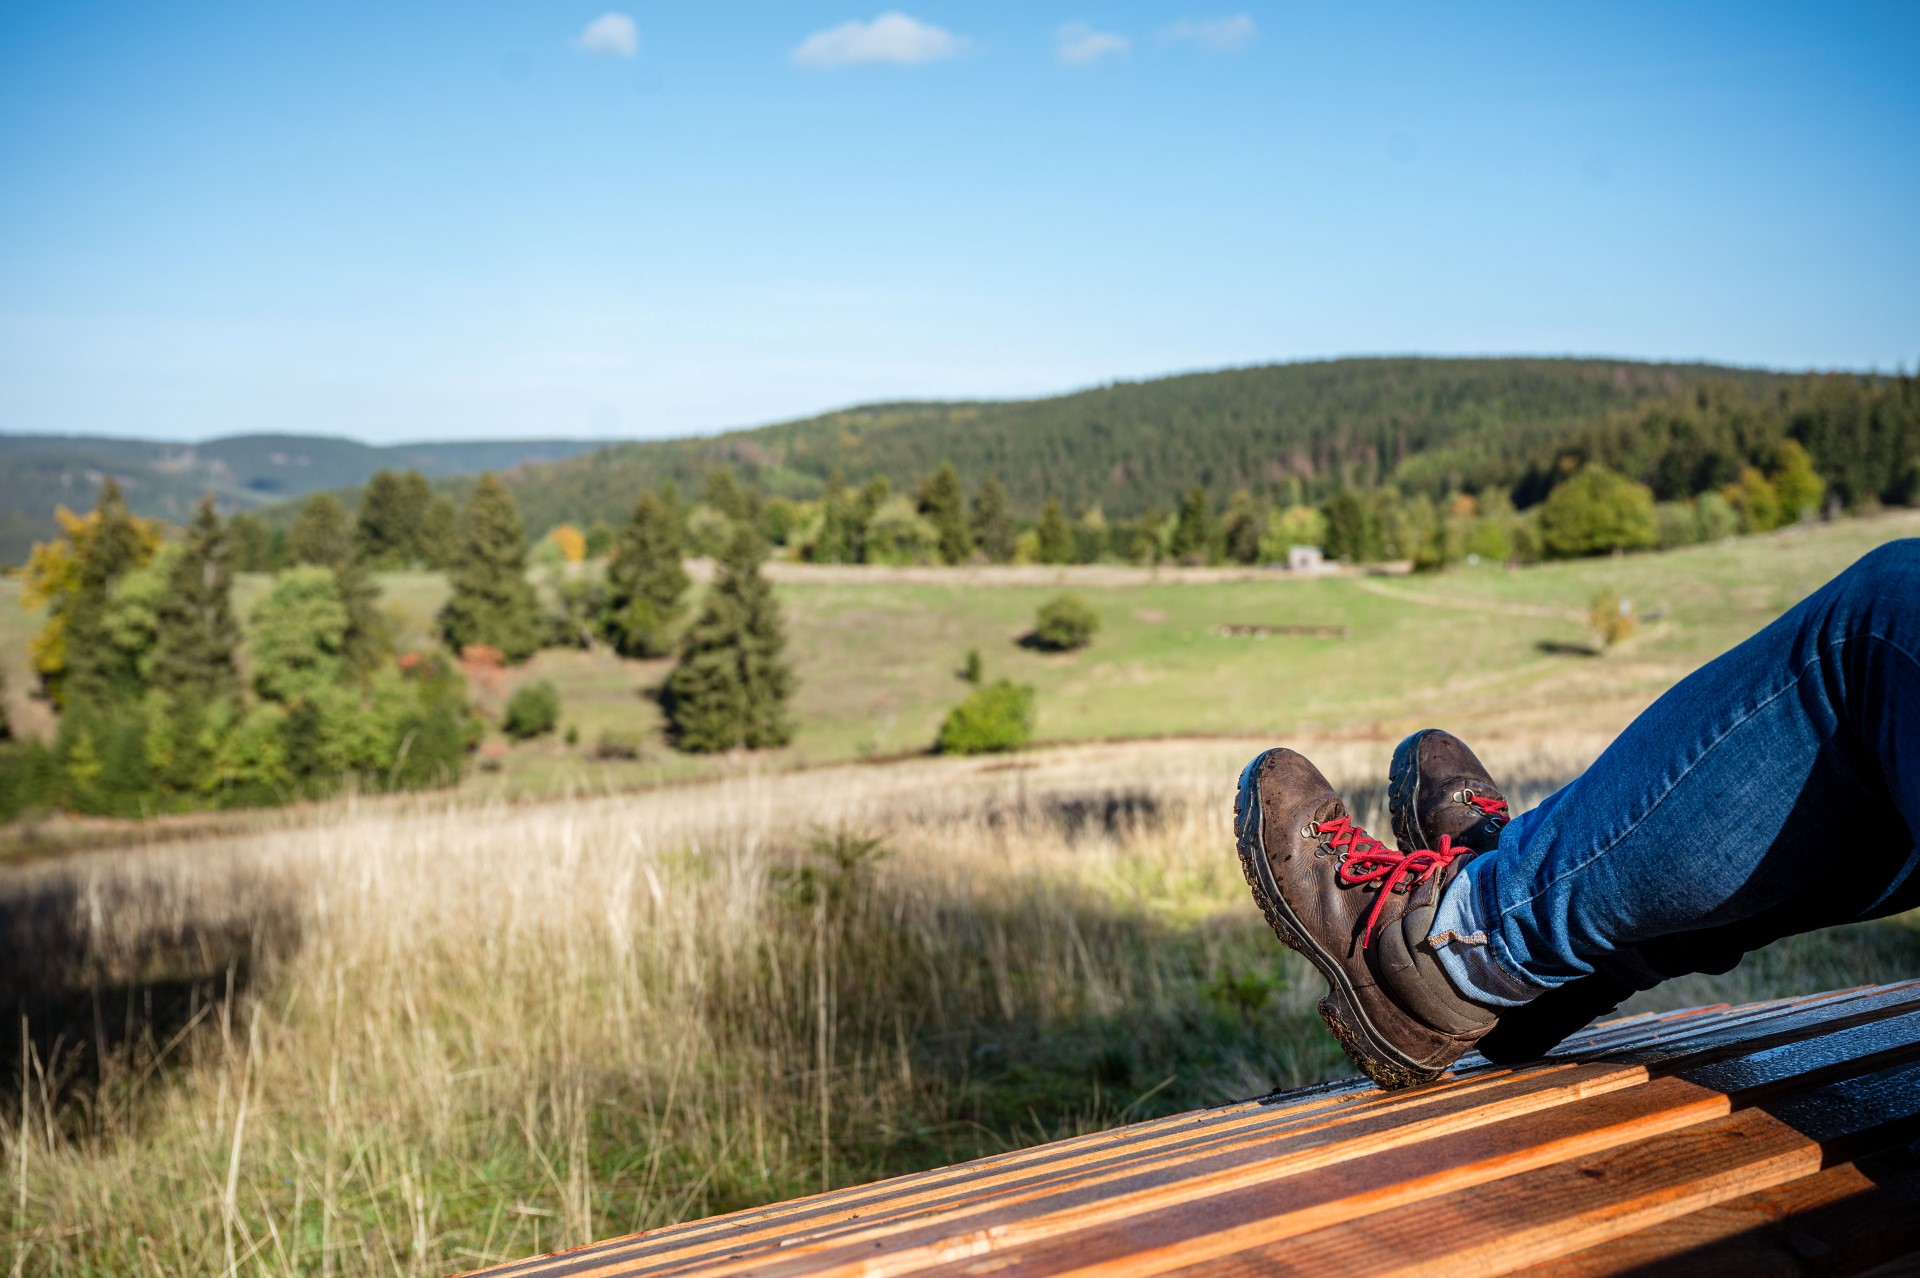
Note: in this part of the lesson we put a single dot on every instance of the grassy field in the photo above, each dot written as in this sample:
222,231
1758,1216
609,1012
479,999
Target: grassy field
416,1037
416,1034
1487,648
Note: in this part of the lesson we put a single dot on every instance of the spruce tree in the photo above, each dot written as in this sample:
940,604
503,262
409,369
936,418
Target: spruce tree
196,631
992,524
1350,534
322,536
252,543
1056,538
646,585
840,532
440,534
945,506
387,532
492,601
416,498
1193,532
731,686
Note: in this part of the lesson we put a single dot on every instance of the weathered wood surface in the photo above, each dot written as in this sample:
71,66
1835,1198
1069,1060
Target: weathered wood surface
1774,1138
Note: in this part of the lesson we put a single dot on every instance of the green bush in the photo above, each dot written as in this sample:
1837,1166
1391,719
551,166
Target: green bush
993,718
1597,511
616,743
1063,623
532,711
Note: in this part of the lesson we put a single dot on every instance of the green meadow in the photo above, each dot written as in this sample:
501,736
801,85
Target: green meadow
878,661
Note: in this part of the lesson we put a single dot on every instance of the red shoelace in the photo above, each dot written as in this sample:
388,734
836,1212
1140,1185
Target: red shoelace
1369,860
1492,807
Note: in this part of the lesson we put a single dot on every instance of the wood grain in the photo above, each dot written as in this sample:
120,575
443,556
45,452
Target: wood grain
1637,1143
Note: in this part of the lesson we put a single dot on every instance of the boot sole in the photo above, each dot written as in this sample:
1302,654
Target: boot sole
1403,783
1340,1009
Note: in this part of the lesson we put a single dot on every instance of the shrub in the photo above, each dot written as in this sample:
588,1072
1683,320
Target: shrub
1597,511
532,711
1065,622
618,744
971,669
993,718
1679,524
1611,617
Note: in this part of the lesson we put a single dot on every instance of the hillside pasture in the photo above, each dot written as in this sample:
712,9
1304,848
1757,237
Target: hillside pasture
878,653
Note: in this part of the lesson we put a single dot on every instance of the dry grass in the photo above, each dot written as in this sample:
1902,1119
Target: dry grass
409,1038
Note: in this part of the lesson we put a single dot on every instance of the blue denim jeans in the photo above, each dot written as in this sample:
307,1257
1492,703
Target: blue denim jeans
1773,791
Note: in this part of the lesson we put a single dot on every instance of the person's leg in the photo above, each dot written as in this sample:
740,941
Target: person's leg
1774,791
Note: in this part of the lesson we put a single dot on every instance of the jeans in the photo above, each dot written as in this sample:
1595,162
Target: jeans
1775,790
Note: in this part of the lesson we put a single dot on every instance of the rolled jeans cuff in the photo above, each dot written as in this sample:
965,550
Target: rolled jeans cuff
1461,941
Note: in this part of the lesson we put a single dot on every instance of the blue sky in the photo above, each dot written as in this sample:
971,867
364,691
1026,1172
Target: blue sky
436,220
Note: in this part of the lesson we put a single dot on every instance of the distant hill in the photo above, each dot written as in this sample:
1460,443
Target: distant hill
39,472
1423,423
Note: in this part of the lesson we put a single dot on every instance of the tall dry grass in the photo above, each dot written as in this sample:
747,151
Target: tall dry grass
410,1038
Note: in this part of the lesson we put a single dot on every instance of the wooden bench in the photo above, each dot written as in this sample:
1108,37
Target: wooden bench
1774,1138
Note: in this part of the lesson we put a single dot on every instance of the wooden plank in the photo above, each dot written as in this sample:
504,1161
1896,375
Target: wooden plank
1192,1163
1527,1219
1211,1160
1019,1177
1143,1228
1197,1219
1589,1200
1843,1220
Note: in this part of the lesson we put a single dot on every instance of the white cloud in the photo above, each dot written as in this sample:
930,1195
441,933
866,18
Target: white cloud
1216,35
612,33
1080,44
892,37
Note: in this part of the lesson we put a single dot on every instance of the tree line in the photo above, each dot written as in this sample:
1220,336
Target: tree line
1271,452
162,706
141,658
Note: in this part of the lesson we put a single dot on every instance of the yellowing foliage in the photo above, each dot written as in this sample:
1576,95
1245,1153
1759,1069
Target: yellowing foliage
571,543
53,578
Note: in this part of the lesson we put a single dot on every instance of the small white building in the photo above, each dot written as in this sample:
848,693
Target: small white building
1305,559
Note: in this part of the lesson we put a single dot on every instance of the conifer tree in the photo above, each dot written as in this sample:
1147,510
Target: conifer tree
945,506
196,634
416,498
387,532
646,585
1193,532
731,687
725,495
840,531
252,544
322,536
440,534
492,601
1056,538
1351,535
992,524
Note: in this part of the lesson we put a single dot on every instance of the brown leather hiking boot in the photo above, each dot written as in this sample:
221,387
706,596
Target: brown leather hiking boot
1437,790
1360,914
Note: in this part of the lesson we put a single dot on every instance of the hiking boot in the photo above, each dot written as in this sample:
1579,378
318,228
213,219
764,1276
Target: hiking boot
1360,913
1437,789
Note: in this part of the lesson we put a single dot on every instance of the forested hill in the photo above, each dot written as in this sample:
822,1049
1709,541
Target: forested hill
163,480
1431,424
